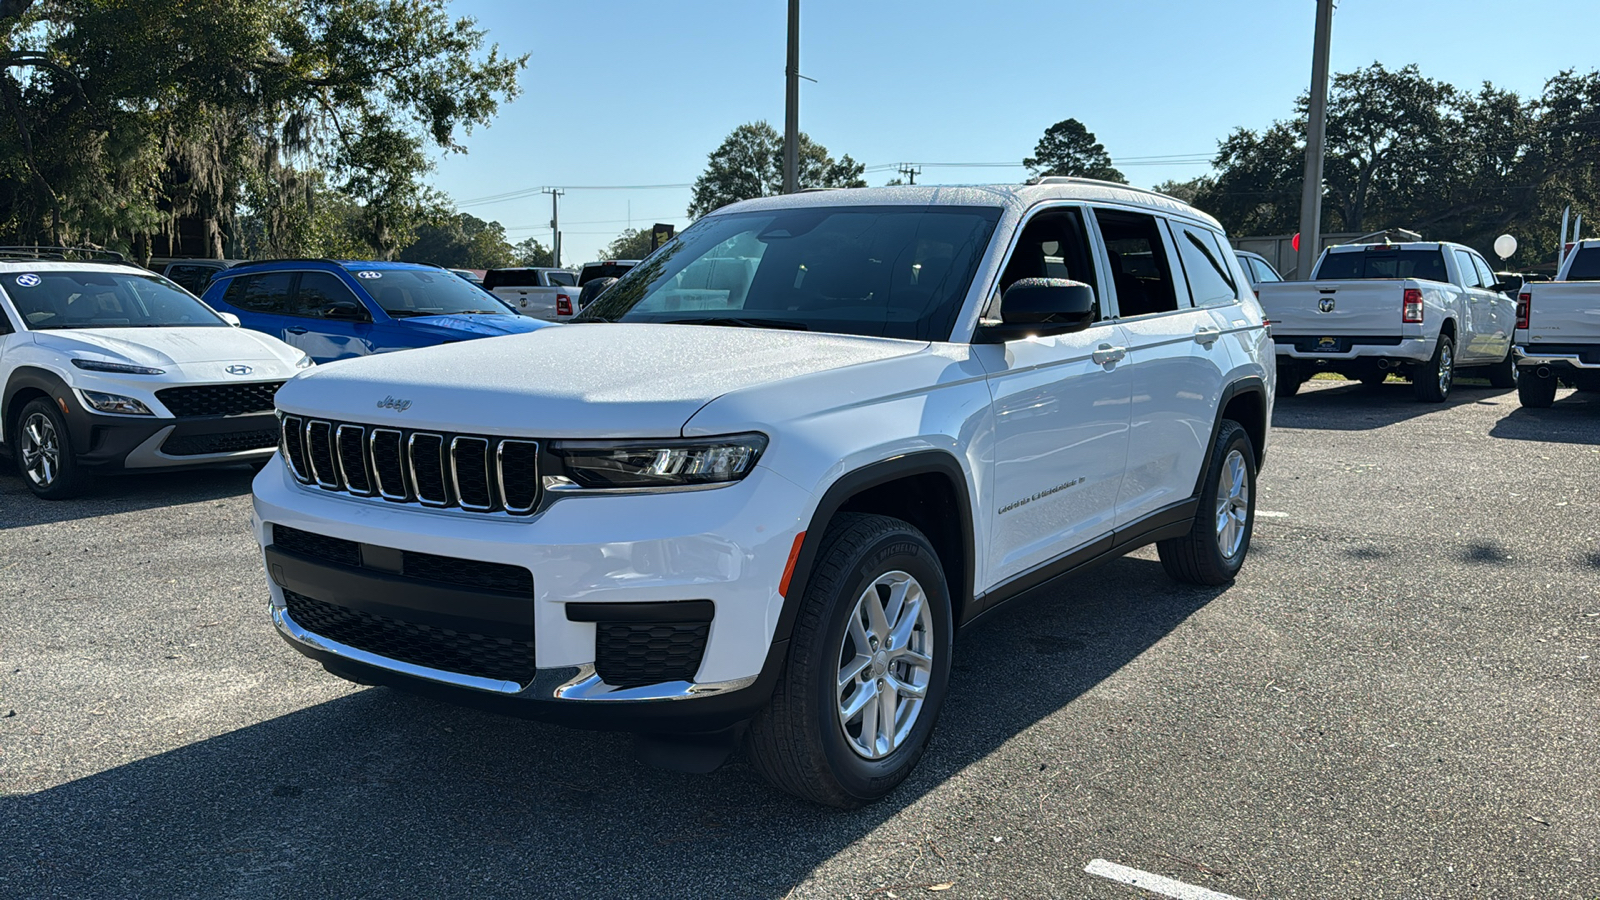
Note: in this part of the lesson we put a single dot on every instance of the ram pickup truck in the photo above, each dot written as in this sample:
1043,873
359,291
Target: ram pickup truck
754,490
543,293
1421,310
1558,329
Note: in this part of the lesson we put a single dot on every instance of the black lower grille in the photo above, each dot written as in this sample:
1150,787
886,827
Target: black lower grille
413,642
472,573
631,654
219,399
231,442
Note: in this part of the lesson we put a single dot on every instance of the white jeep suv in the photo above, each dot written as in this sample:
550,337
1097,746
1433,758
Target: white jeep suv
756,490
106,367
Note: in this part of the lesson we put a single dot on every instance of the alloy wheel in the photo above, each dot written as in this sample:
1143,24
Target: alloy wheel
1233,504
1447,367
885,665
41,450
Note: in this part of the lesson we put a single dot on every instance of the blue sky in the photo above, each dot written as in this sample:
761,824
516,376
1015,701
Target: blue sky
626,92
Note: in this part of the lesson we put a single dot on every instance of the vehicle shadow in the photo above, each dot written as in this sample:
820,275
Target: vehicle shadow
383,794
1351,406
119,493
1574,419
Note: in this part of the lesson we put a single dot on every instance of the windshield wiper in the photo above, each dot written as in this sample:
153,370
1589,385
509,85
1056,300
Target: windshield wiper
735,322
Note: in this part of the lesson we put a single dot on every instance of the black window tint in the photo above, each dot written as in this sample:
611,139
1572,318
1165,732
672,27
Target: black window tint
1585,266
1138,257
499,278
192,278
1052,245
264,293
319,292
1210,278
602,270
563,279
1383,262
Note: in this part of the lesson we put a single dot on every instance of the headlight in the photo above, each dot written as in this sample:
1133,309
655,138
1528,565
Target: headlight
95,365
645,465
116,403
304,362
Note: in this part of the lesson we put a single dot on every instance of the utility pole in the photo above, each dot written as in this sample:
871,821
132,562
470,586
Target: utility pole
555,224
910,172
1316,133
791,113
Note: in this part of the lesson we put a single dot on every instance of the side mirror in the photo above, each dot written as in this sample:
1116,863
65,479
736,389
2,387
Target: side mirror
231,319
345,311
1508,286
1040,307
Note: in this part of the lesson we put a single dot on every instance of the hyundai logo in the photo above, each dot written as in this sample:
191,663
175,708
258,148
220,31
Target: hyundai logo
239,370
1325,304
396,405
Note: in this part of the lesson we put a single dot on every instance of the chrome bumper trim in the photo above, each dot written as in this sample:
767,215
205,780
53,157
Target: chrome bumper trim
1525,358
574,683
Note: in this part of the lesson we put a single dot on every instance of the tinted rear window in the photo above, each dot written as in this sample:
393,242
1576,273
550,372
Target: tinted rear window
614,270
1427,264
499,278
1585,266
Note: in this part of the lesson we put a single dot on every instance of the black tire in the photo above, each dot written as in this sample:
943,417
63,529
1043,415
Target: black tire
1433,379
43,452
1504,374
1535,392
1199,557
1289,379
798,742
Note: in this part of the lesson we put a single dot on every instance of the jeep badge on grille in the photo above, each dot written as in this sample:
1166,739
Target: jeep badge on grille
396,405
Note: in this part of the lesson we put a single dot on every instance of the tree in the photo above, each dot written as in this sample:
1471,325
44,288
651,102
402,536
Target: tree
461,241
529,252
1186,191
206,110
1068,148
749,164
632,243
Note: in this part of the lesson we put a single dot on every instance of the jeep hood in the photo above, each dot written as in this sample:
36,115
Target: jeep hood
587,380
164,348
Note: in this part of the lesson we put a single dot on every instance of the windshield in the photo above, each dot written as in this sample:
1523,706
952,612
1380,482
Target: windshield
890,271
59,300
1383,263
406,293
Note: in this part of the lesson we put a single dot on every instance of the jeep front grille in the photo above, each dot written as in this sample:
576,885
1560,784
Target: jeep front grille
476,473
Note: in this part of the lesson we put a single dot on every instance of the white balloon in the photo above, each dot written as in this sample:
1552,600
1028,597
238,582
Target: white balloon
1504,246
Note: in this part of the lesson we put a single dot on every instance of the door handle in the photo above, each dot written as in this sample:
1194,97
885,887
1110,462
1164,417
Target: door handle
295,330
1106,354
1207,336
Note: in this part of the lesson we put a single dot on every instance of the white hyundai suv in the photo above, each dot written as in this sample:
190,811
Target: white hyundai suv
753,493
106,367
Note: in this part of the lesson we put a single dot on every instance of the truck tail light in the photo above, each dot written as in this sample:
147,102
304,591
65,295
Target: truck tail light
1524,306
563,305
1411,312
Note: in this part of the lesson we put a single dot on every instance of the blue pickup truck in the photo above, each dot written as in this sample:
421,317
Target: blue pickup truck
342,309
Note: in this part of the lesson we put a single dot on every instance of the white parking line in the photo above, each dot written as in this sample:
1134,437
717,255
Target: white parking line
1156,884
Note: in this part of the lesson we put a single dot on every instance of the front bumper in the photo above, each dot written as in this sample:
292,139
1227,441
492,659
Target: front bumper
110,442
585,553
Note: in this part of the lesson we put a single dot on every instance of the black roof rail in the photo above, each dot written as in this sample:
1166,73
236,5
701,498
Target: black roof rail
291,259
81,254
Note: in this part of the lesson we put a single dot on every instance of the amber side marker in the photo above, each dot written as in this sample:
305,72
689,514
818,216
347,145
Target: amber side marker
788,570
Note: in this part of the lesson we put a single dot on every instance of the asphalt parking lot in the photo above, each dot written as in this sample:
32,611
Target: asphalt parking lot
1396,699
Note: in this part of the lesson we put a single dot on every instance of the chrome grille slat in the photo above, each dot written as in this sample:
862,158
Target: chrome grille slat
349,449
469,473
426,452
294,448
319,454
386,450
478,474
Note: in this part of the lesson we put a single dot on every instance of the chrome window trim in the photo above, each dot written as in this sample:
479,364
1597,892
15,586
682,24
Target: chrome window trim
400,459
500,476
338,457
455,473
444,477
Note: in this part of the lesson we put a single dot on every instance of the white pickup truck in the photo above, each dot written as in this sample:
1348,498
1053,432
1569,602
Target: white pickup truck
1422,310
539,292
1558,329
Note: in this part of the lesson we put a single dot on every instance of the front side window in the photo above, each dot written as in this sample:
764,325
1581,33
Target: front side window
408,293
65,300
1469,272
1485,274
1210,278
1139,268
1053,244
880,271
